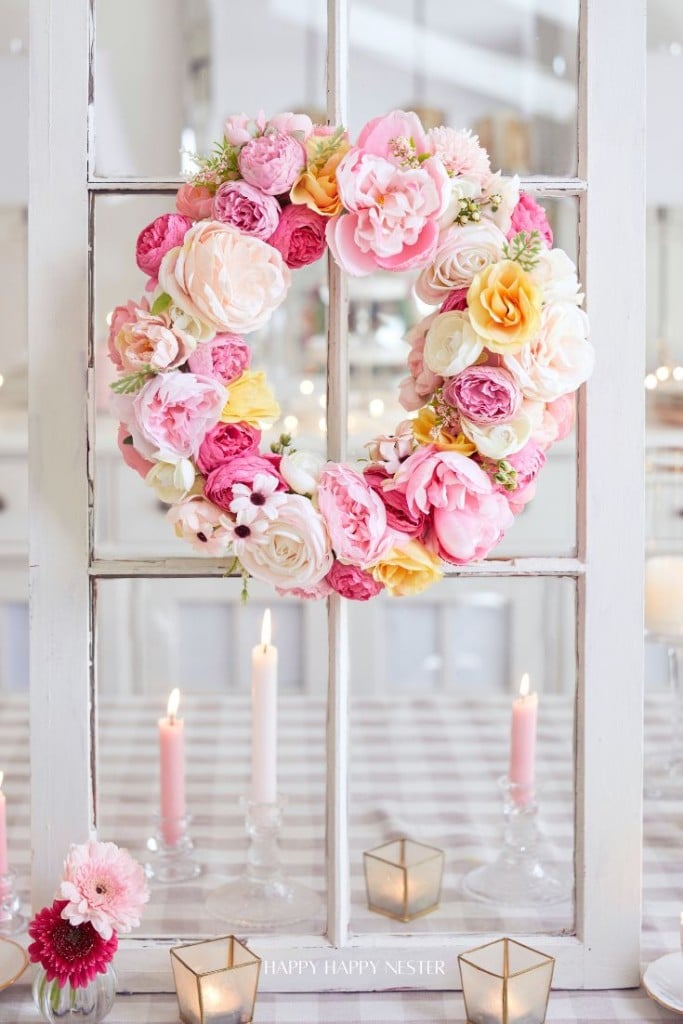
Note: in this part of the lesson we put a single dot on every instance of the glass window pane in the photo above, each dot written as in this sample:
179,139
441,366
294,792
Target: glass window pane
430,738
509,73
154,635
206,59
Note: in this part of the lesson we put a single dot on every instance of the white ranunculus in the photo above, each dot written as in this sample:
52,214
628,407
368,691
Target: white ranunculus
556,275
171,481
559,359
499,440
301,471
462,253
451,344
291,551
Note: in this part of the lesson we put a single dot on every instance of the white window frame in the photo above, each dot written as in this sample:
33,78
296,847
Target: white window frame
608,568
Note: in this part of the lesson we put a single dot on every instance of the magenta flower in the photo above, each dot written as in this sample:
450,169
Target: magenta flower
67,952
528,215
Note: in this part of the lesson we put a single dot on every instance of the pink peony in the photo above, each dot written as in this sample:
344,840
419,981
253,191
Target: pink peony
157,238
121,317
227,441
300,236
240,470
483,394
399,516
352,582
239,128
272,162
67,953
418,388
152,343
105,886
455,300
392,449
461,154
247,208
527,463
174,411
355,516
563,411
469,532
201,523
292,124
528,215
131,456
225,357
194,201
394,197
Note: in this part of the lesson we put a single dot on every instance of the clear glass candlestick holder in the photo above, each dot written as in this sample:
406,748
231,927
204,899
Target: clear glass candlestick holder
170,851
263,898
12,920
525,872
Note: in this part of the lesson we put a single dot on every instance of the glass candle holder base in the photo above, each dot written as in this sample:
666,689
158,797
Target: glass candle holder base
170,852
262,898
524,873
12,921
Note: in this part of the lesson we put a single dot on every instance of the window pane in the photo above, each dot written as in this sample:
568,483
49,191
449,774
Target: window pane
508,72
154,635
433,681
206,59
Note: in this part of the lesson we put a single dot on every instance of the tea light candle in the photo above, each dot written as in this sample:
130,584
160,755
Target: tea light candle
523,742
664,595
264,718
4,865
172,770
221,1005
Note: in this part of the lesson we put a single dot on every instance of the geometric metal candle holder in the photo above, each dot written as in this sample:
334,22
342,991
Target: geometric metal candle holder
403,879
505,982
216,981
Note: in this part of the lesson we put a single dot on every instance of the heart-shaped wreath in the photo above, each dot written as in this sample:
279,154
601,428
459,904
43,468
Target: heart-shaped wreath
492,370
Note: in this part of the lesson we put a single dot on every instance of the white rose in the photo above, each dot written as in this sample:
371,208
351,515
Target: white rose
451,344
499,440
171,481
392,449
191,326
291,551
461,188
462,253
559,359
508,190
556,274
301,471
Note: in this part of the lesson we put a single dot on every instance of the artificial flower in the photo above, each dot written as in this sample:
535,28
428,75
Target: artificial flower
299,236
173,412
469,532
408,570
225,357
499,439
301,471
353,583
152,343
247,208
121,317
461,253
483,394
555,274
559,359
68,953
399,516
171,481
130,454
104,885
261,498
200,522
194,201
226,441
504,306
154,241
392,449
451,344
528,216
299,125
422,382
428,430
355,516
291,551
250,400
461,154
316,187
272,162
240,128
240,470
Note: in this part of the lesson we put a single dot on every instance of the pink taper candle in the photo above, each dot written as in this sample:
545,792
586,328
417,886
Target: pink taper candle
264,718
172,770
4,867
523,742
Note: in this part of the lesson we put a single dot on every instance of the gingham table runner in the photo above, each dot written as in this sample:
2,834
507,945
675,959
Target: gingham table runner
427,767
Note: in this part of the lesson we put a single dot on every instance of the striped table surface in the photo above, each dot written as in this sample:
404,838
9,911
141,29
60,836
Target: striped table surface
427,767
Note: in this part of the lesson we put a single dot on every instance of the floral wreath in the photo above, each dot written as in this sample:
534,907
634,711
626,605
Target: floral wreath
492,370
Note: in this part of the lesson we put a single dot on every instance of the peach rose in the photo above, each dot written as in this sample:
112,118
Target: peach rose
152,343
408,570
194,201
226,279
316,187
504,306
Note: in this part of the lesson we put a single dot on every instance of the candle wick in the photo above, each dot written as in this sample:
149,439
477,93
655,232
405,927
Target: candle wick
171,719
265,648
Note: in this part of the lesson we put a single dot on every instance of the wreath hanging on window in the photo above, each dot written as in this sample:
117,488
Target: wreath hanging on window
492,371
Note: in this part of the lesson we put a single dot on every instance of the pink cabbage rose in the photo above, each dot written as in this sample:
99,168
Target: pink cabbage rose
120,317
394,197
272,162
468,533
152,343
231,281
225,357
240,128
174,411
292,124
399,517
528,215
227,441
455,300
353,583
300,236
355,516
131,456
483,394
194,201
239,470
418,388
247,208
199,522
156,239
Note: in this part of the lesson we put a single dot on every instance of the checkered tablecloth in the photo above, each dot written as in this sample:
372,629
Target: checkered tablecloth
427,767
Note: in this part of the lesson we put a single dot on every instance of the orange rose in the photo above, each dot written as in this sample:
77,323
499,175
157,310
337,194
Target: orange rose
504,306
316,187
426,431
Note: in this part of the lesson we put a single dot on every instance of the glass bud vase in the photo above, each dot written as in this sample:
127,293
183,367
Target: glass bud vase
90,1003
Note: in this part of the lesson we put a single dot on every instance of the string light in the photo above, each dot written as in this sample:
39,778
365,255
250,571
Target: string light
306,387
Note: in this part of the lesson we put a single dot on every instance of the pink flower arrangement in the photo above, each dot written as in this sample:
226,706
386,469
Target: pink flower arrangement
225,357
174,411
157,238
272,162
226,441
352,582
241,469
356,517
484,394
247,208
300,236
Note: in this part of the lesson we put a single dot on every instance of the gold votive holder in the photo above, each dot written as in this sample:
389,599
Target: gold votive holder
505,982
403,879
215,981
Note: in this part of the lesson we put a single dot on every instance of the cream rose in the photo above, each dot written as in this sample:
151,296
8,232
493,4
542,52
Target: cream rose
231,281
301,471
451,344
508,190
291,551
462,252
555,274
559,359
500,439
460,188
172,481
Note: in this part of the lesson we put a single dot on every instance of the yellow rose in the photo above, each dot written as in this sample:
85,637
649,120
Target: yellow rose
408,570
316,187
426,432
504,306
250,400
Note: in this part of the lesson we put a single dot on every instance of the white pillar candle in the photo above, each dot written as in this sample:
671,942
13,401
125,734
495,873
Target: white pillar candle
264,718
664,595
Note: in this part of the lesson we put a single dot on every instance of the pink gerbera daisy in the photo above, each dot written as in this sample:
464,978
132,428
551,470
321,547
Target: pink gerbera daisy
69,953
103,885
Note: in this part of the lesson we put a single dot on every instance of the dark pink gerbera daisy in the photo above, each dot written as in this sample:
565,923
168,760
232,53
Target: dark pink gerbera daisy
68,952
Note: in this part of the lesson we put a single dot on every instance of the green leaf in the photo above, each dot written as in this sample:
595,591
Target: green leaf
132,382
161,303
